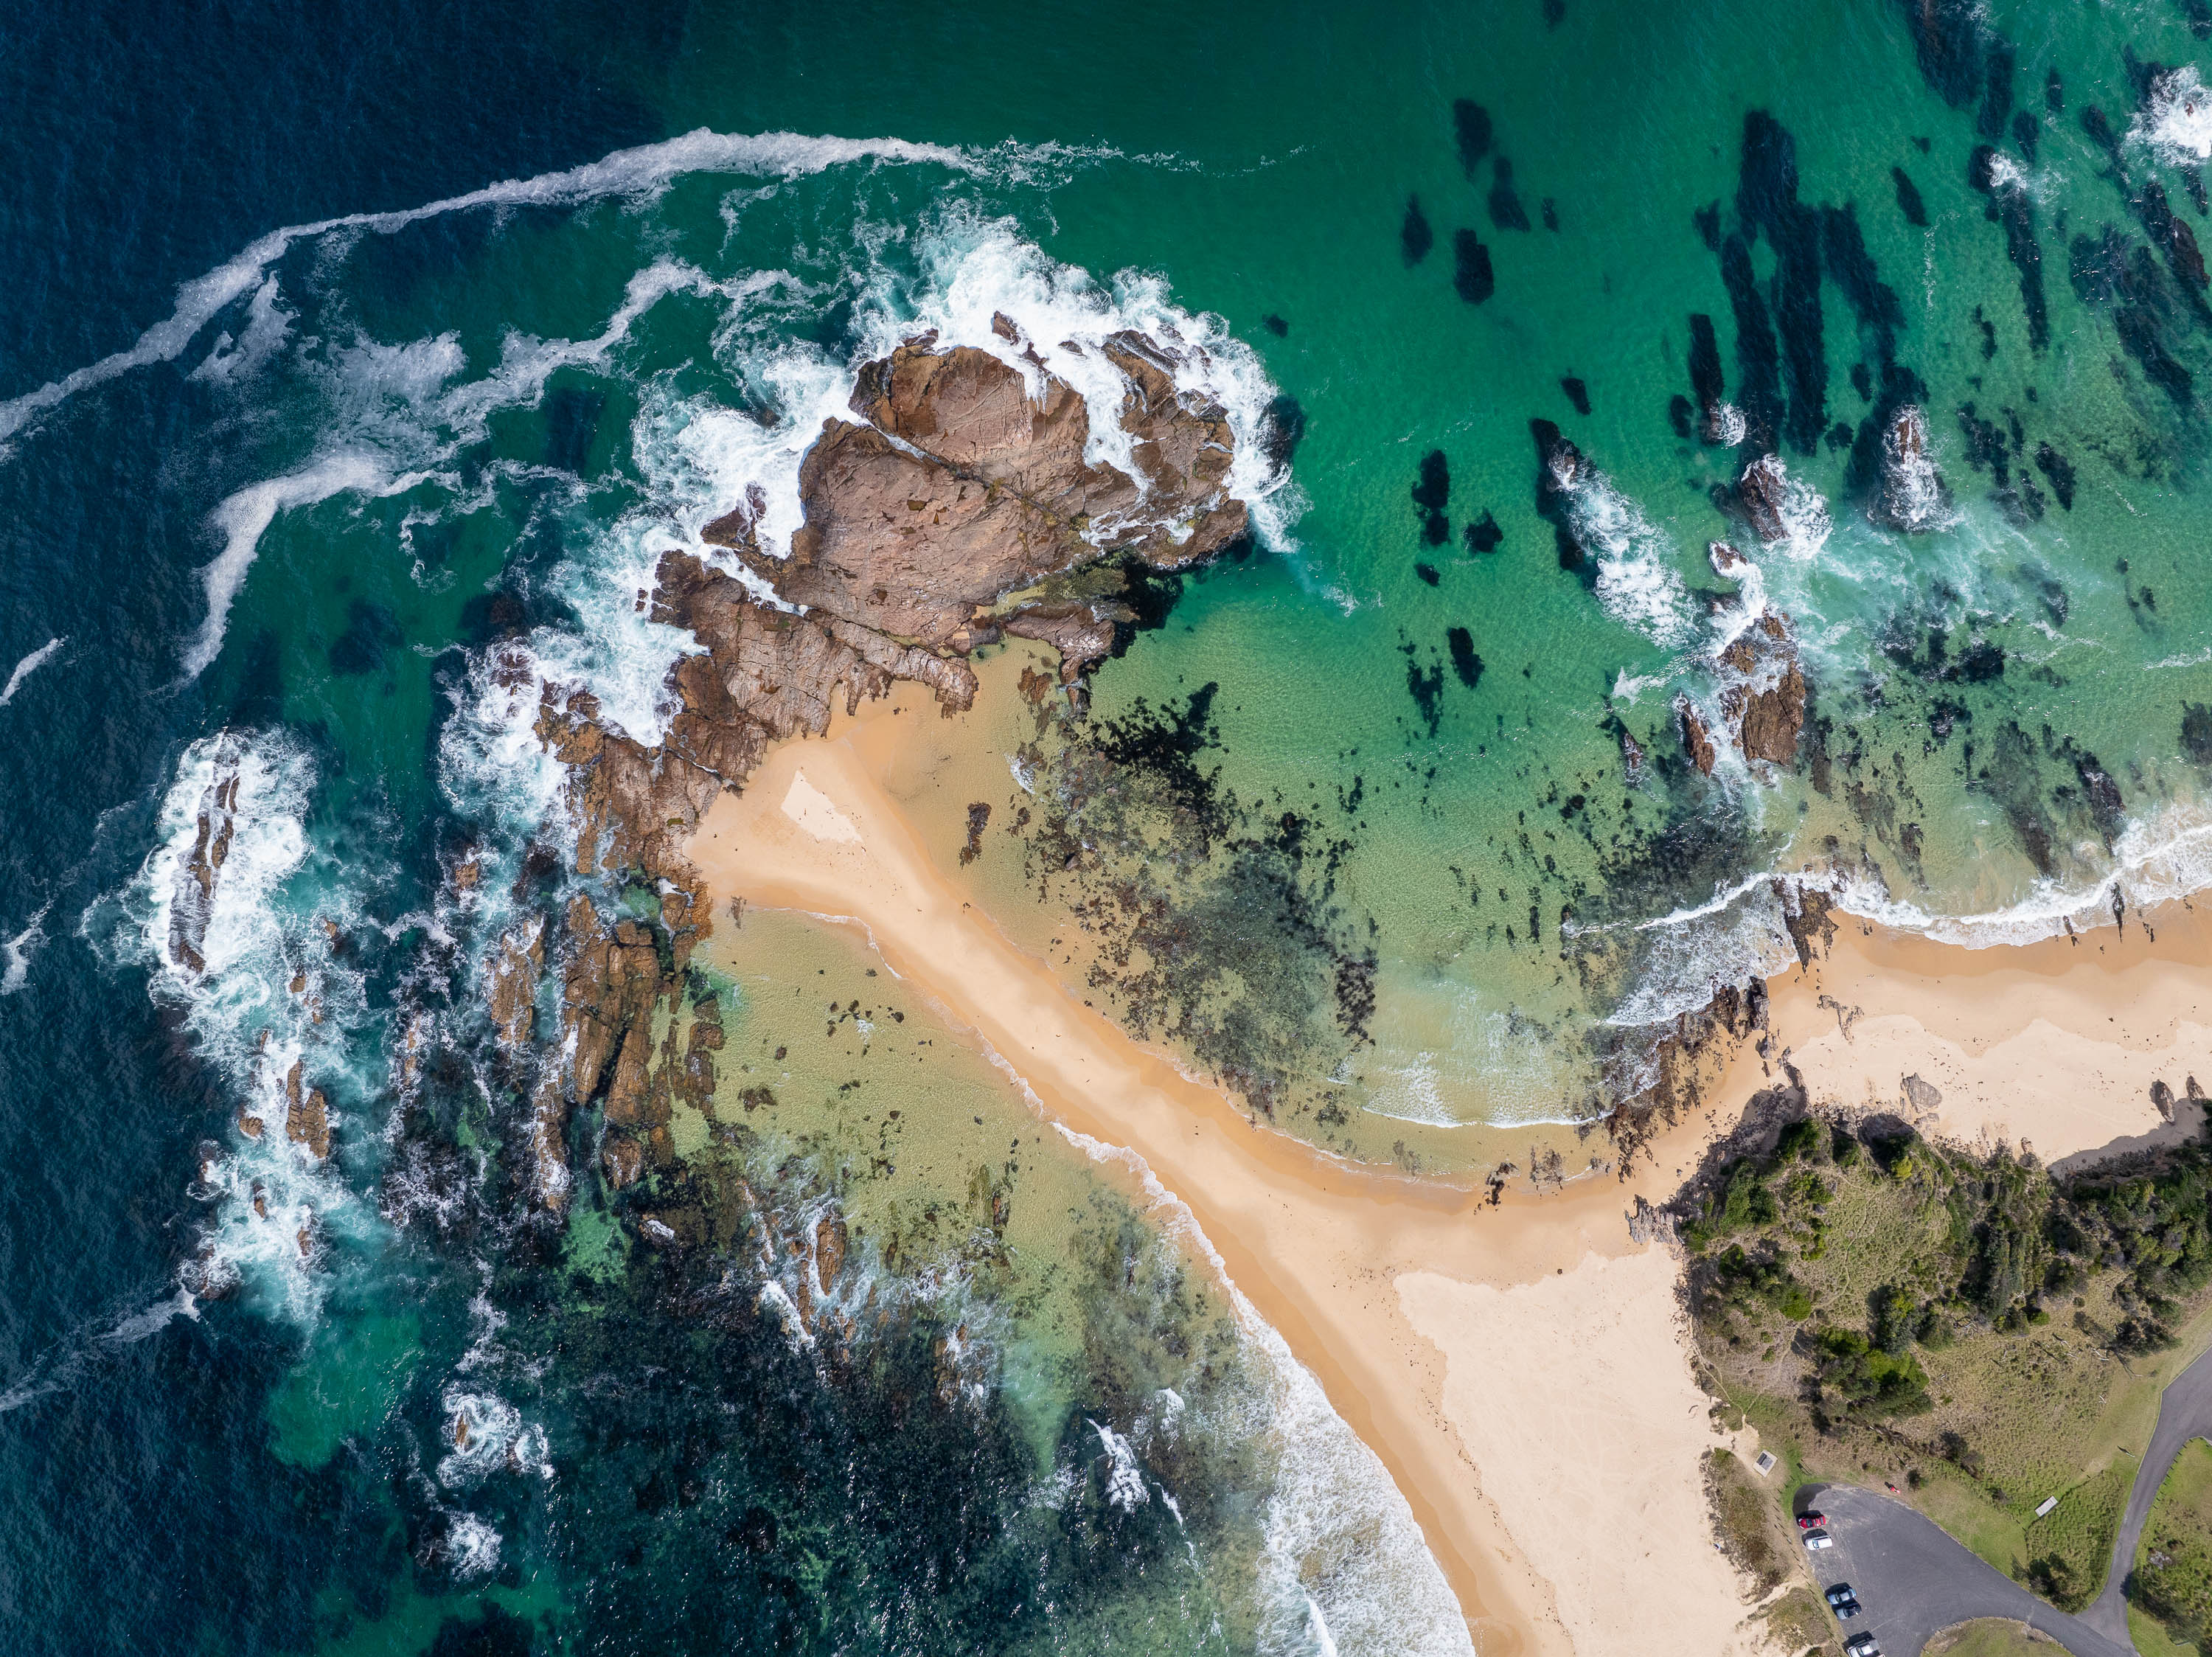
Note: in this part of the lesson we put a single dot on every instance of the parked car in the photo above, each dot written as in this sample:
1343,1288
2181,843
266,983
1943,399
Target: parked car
1843,1601
1862,1645
1812,1520
1817,1540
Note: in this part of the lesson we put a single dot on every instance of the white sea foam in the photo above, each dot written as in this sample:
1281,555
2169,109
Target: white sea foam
471,1547
18,949
976,269
1343,1553
269,996
643,171
244,515
2176,118
268,325
486,1435
1637,582
2156,858
29,664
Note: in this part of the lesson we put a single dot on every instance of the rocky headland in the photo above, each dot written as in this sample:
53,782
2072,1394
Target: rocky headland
964,501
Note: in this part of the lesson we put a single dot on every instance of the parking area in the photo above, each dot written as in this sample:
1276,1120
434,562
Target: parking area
1913,1581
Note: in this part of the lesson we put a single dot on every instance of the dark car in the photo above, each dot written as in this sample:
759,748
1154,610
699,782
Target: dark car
1843,1601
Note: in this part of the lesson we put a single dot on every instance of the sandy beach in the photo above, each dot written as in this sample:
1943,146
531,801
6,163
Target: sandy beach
1522,1370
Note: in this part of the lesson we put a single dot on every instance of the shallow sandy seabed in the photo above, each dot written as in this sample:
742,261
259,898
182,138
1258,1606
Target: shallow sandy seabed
1523,1370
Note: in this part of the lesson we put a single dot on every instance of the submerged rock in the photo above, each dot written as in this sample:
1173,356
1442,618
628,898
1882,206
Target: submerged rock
192,905
1913,495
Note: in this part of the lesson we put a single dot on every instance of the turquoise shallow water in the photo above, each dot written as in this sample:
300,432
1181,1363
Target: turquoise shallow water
287,528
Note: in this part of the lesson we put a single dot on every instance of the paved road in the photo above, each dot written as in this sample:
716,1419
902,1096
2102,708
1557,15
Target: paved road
2184,1412
1913,1579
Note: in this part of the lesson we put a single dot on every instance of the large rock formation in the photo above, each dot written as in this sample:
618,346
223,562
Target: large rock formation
1765,702
961,505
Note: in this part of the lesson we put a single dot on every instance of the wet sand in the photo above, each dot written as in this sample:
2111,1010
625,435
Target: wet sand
1522,1370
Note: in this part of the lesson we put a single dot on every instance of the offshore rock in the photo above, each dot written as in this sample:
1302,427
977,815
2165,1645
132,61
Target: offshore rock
1761,493
306,1115
1697,741
193,904
1766,702
1914,495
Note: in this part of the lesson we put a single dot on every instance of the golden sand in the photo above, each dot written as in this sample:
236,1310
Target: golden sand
1523,1370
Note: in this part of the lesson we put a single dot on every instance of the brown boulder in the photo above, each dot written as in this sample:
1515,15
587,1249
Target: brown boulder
1766,703
306,1115
1761,492
1697,741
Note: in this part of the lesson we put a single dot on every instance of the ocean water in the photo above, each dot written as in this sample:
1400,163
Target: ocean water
357,369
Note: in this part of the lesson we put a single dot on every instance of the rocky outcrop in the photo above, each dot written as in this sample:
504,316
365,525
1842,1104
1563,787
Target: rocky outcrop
1761,493
960,506
1913,495
306,1115
1766,700
1696,741
969,481
192,905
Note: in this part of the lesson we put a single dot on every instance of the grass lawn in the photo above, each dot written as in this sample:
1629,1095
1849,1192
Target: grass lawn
2172,1586
1992,1636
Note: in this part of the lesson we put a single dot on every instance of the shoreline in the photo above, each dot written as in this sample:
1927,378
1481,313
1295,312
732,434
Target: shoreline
1417,1303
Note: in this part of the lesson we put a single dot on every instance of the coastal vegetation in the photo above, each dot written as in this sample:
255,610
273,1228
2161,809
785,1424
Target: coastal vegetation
1961,1325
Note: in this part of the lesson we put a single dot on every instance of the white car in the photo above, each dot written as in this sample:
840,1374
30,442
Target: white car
1816,1540
1862,1645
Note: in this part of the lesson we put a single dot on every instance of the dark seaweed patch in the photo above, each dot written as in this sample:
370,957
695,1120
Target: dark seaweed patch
1908,198
2197,732
572,421
1557,458
1555,12
1953,44
1425,685
1282,428
1551,212
1872,301
1996,89
2060,472
1484,535
1708,220
1429,573
1505,210
1465,662
1275,325
1431,495
1706,384
2009,206
1758,358
1578,393
1471,130
1471,279
2027,130
1766,197
1414,237
371,633
1679,411
2197,14
1165,746
2054,93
